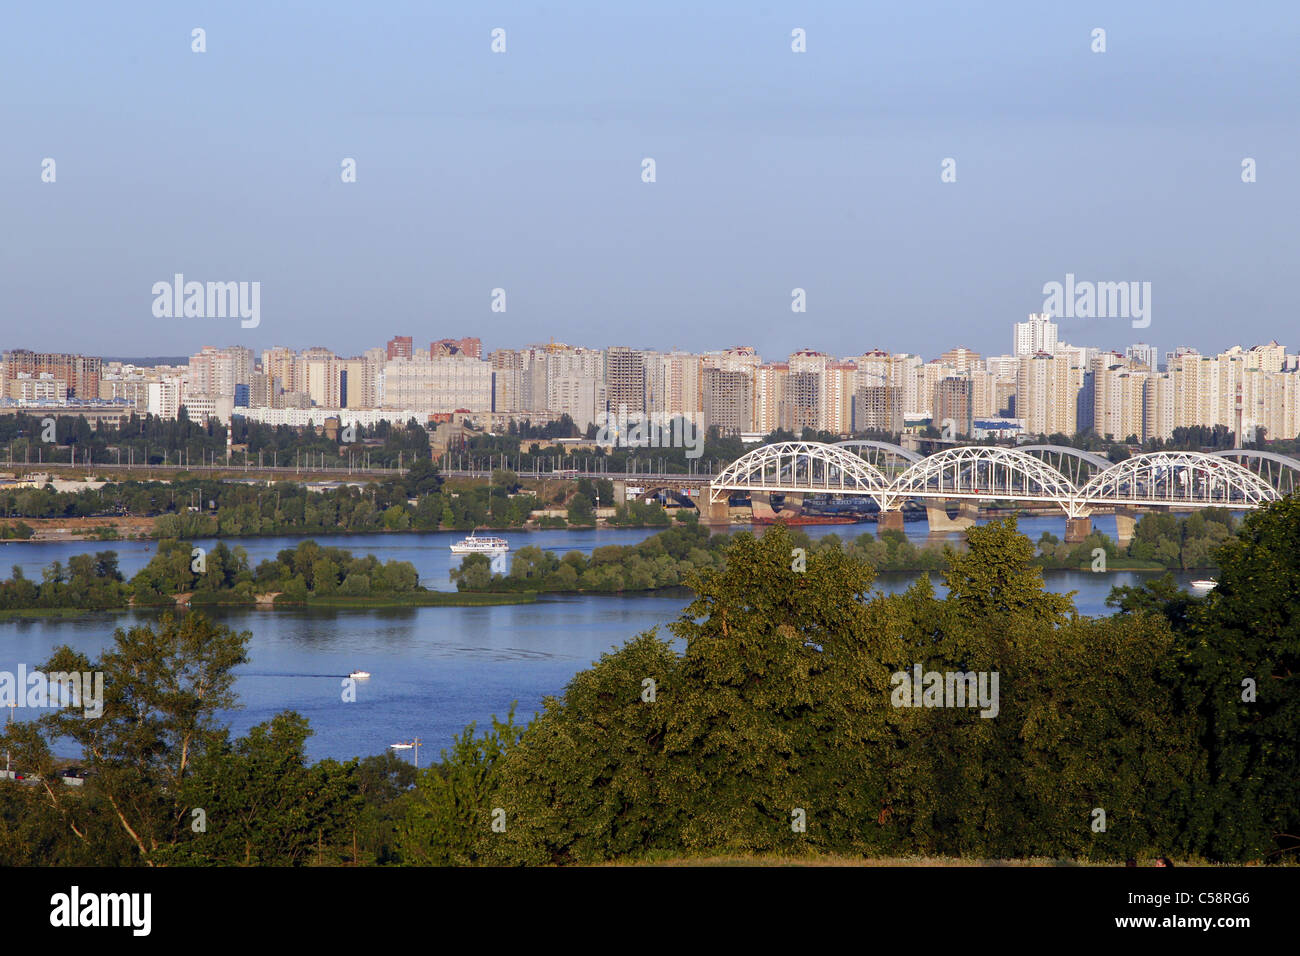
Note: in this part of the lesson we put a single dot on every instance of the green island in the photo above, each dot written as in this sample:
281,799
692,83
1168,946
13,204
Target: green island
1160,542
306,575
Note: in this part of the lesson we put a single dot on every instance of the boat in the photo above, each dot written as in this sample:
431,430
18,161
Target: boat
400,746
360,675
475,545
1204,585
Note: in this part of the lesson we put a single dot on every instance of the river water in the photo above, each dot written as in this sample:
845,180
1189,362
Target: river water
433,670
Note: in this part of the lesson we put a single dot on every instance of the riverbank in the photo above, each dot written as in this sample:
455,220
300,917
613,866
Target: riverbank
333,603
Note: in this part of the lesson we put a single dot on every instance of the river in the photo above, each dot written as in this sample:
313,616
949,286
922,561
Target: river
433,670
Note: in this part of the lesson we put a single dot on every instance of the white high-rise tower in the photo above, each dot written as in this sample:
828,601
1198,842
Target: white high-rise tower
1036,335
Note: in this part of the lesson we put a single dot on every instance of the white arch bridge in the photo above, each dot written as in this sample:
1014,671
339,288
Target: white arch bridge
1078,482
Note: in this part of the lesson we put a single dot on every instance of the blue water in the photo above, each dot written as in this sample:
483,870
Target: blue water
434,670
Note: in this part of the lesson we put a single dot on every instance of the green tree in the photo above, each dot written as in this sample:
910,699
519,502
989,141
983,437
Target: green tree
451,808
163,687
263,805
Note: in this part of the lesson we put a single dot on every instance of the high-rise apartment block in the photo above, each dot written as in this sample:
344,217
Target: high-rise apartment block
1036,335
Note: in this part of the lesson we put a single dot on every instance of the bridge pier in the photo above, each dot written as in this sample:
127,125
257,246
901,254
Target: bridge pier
1077,529
620,492
715,514
889,521
761,504
936,513
1125,522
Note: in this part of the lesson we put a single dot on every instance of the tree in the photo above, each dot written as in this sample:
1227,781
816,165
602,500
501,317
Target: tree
769,651
589,779
1242,676
163,687
581,511
450,810
995,577
263,805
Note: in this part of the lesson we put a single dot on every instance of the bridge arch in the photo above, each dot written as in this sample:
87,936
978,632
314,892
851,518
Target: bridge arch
794,467
1285,477
885,446
1187,478
987,471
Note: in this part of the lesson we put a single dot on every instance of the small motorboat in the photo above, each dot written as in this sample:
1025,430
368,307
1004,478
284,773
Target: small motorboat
360,675
1204,585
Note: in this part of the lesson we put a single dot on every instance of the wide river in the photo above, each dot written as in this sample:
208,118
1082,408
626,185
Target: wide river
433,670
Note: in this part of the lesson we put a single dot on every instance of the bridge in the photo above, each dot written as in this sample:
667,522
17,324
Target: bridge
1077,482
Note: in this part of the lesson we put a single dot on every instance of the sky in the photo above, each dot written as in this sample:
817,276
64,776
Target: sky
523,171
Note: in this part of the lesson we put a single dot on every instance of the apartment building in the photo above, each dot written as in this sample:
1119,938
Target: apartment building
728,400
79,374
1034,336
444,384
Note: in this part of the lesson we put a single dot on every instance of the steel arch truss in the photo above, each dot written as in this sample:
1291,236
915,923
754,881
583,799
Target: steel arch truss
1282,472
889,459
1074,463
982,472
1179,478
792,467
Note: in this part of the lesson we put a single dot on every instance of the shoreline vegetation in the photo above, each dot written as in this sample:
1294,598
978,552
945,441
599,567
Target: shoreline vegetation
309,575
419,499
1161,543
180,576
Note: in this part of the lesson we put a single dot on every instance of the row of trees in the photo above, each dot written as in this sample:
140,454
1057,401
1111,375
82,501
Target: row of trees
412,500
658,562
220,575
152,440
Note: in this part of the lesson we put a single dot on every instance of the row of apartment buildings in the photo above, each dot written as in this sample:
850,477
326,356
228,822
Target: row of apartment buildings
1043,386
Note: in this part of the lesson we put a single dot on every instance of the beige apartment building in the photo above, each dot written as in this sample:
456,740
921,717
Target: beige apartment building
444,384
1047,393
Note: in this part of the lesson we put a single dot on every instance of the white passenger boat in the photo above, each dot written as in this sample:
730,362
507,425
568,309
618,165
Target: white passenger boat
360,675
474,545
1204,585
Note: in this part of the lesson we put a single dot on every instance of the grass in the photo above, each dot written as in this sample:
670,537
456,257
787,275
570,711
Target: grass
831,859
418,599
23,612
339,602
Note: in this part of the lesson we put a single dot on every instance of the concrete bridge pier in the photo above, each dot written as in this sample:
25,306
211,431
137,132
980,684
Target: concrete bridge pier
1077,529
1125,522
937,514
889,521
715,514
761,503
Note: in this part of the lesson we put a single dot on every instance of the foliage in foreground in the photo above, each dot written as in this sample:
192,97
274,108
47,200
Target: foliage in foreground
1177,717
782,702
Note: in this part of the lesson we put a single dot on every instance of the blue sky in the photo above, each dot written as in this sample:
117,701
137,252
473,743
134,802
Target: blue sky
522,170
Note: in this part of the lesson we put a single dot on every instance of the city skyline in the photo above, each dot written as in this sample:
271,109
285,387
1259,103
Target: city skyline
1045,385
